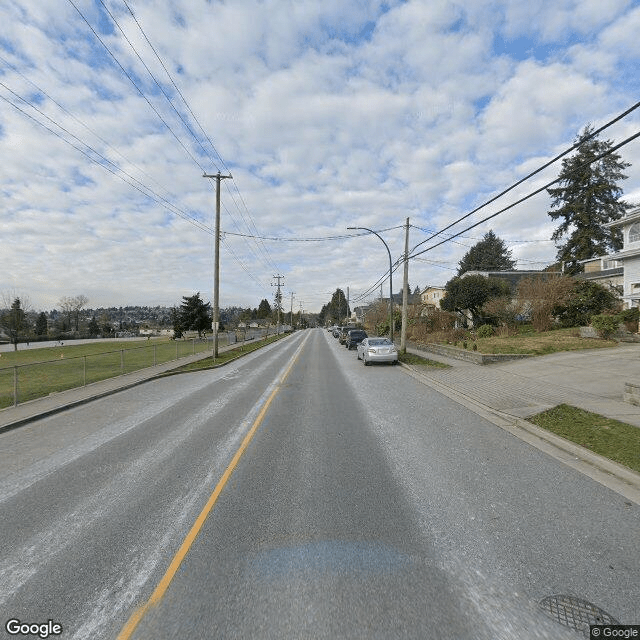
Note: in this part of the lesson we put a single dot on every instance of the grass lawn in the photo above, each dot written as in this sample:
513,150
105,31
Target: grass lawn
412,358
528,341
610,438
53,369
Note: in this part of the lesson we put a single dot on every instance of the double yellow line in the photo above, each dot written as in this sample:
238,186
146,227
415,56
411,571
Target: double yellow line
180,555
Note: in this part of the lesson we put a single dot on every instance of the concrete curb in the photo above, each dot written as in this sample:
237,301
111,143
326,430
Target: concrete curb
608,473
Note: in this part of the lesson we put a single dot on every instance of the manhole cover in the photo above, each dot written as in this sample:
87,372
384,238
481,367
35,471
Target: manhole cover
574,612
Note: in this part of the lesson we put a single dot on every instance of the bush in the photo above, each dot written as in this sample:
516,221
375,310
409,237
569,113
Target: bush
630,318
605,324
586,300
485,331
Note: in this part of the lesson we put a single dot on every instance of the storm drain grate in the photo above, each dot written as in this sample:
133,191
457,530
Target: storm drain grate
574,612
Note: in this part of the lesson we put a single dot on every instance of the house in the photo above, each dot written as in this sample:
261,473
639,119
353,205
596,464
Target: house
512,277
605,271
629,256
431,296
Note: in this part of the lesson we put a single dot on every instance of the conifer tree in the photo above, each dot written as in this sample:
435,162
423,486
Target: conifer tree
489,254
588,196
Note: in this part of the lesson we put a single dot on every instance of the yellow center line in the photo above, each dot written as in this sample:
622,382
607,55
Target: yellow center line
180,555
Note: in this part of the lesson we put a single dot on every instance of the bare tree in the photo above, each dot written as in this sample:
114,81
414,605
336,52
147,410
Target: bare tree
72,306
537,297
78,303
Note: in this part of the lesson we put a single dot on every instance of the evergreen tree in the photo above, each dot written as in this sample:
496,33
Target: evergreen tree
41,324
470,293
264,309
93,328
194,314
489,254
15,321
588,197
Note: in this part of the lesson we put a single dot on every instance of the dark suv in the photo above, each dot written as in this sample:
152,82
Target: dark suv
354,337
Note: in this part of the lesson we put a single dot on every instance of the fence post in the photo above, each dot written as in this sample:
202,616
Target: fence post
193,346
122,360
154,356
176,349
84,371
15,386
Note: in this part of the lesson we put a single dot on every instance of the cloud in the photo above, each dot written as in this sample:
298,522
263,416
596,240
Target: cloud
328,115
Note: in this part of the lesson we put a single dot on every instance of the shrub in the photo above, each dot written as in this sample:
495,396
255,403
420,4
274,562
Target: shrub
630,318
605,324
586,300
485,331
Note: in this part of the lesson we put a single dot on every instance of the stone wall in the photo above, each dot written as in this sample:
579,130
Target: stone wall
466,355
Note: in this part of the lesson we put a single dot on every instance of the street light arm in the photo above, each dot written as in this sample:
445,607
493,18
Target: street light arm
390,276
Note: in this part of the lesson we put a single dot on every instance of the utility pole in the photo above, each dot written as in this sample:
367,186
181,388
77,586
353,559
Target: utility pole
278,299
405,292
216,268
293,293
347,316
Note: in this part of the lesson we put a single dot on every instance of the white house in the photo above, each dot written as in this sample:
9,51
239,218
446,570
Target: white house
629,256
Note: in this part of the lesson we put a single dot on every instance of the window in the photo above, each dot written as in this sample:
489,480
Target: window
634,232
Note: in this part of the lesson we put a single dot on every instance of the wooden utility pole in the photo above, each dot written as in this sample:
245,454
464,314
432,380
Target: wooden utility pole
278,299
405,292
216,268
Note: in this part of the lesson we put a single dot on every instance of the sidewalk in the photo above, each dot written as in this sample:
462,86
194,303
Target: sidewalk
506,394
27,411
592,379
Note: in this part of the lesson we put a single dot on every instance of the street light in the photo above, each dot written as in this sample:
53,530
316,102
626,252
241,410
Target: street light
390,278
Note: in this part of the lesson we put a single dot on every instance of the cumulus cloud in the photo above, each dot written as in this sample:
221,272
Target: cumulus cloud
328,115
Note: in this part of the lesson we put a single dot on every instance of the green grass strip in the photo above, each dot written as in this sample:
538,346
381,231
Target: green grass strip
224,356
412,358
610,438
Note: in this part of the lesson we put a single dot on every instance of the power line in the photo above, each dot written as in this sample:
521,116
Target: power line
527,197
530,175
251,224
116,171
133,82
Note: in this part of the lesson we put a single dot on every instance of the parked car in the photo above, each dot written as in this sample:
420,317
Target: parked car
344,332
336,332
354,338
377,350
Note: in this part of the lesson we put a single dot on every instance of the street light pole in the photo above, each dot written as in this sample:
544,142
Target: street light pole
390,277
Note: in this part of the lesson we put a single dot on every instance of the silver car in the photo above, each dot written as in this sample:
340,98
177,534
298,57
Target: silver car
377,350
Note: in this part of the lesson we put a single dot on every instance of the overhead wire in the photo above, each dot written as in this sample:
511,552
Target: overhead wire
529,196
530,175
251,224
108,165
140,91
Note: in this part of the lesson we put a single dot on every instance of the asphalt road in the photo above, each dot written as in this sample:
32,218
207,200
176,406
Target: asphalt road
366,505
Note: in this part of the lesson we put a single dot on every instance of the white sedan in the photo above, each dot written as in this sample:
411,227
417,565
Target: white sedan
377,350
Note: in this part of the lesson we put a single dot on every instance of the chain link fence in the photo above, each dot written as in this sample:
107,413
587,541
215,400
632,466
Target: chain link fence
24,382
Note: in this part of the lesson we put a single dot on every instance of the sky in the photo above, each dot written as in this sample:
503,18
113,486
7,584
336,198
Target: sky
327,114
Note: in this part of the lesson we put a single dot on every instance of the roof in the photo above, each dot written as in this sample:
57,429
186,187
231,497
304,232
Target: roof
628,218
